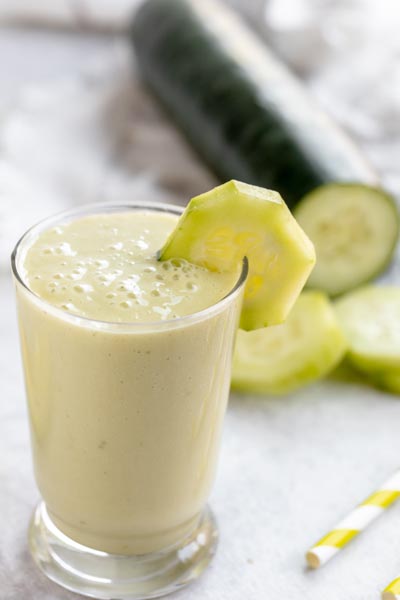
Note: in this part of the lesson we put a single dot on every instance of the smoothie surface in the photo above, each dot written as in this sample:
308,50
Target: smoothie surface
104,267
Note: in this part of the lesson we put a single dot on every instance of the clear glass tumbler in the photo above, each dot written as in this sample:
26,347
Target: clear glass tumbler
125,423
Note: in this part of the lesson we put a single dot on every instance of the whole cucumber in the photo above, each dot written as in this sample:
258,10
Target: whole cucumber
244,112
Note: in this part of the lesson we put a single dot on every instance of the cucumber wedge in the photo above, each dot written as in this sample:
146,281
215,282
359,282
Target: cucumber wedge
354,229
234,220
281,359
370,318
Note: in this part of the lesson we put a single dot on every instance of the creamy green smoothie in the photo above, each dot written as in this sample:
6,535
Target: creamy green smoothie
105,267
127,367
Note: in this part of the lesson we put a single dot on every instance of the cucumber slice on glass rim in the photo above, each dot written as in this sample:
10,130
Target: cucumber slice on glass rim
370,319
354,229
281,359
234,220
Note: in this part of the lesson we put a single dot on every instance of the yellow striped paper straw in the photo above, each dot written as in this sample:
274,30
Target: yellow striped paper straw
354,523
392,592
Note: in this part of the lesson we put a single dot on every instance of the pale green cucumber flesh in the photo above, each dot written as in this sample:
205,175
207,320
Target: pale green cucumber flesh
234,220
354,229
281,359
370,319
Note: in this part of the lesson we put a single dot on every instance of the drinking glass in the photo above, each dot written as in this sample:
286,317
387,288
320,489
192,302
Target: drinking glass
125,422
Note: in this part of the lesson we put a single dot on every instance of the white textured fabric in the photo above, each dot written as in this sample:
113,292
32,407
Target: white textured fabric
76,126
94,137
100,14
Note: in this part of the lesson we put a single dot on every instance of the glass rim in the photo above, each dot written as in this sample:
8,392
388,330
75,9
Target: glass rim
101,208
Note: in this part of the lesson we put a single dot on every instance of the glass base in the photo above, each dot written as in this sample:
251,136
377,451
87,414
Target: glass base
118,577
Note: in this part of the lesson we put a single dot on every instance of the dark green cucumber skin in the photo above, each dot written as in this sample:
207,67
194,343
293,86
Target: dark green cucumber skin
244,112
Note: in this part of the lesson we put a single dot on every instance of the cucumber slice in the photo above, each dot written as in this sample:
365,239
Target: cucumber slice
280,359
370,318
354,228
234,220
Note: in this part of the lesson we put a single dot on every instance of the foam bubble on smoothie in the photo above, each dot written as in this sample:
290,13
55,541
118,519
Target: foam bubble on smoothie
104,267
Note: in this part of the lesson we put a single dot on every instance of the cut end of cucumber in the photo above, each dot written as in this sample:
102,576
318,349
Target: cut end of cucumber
354,229
281,359
234,220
